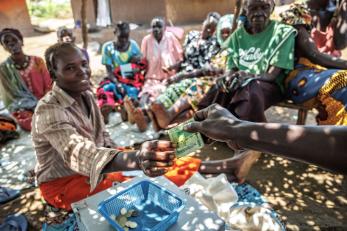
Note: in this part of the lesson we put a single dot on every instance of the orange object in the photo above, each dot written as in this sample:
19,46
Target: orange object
7,126
183,169
61,193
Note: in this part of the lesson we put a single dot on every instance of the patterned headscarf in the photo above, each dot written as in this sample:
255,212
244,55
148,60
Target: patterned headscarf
225,22
297,14
11,31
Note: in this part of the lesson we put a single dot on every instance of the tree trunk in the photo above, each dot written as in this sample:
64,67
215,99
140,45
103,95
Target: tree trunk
84,24
237,12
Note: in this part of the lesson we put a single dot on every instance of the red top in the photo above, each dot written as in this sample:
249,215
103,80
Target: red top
36,77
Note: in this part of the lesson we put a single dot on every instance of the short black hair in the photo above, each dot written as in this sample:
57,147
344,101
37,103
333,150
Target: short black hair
14,31
62,30
51,56
121,27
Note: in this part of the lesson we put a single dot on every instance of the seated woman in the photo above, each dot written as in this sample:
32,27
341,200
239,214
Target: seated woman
24,79
200,47
68,131
165,111
319,80
305,82
263,52
161,49
122,59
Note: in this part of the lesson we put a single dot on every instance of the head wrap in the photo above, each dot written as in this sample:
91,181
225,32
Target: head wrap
11,31
225,22
297,14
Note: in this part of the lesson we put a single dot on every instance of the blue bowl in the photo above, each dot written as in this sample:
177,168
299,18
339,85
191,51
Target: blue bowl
158,208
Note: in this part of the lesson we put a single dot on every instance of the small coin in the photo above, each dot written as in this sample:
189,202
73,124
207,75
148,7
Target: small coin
123,211
131,224
122,221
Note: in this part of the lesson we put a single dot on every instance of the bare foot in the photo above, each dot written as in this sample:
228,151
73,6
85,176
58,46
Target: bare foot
105,111
123,113
161,114
140,120
155,124
130,108
239,165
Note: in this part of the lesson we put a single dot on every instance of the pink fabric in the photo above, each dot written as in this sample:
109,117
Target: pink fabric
177,31
166,53
36,77
325,41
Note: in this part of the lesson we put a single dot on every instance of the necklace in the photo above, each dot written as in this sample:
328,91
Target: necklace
24,65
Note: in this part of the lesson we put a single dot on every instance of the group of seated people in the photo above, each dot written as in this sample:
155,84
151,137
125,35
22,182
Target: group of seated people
245,71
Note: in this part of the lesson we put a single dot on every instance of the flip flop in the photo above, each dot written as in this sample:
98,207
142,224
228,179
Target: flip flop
15,222
7,194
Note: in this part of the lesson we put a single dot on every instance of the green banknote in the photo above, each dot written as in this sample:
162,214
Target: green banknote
186,142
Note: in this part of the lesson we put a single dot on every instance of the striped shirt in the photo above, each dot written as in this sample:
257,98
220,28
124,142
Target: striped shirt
67,141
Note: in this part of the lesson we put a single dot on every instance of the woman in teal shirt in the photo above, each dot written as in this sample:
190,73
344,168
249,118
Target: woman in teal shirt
118,56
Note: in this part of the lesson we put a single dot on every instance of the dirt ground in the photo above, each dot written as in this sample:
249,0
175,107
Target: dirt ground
306,197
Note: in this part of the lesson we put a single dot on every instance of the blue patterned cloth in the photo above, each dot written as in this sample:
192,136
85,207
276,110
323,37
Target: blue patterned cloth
68,225
249,196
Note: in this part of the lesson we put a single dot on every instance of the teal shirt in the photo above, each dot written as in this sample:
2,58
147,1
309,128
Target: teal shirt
114,58
254,53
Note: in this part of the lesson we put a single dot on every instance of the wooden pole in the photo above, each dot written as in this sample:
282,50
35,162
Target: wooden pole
237,13
84,24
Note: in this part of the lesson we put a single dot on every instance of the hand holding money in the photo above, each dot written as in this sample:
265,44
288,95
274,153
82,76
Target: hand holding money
155,157
185,142
214,122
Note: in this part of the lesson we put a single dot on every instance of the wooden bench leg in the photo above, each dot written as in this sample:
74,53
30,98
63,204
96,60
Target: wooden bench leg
302,115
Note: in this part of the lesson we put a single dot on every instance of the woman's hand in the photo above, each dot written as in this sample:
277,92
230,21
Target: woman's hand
216,123
167,69
135,59
155,157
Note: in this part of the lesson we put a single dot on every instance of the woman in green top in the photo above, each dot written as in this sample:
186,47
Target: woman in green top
263,52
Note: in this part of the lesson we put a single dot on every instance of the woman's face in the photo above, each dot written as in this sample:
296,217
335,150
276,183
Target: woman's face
123,38
72,70
12,44
208,29
225,33
258,13
158,27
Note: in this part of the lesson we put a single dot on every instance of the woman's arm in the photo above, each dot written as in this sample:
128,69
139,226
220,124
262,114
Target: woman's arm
309,50
153,158
324,146
271,75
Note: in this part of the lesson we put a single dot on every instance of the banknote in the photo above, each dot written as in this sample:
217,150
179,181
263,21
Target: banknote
186,142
